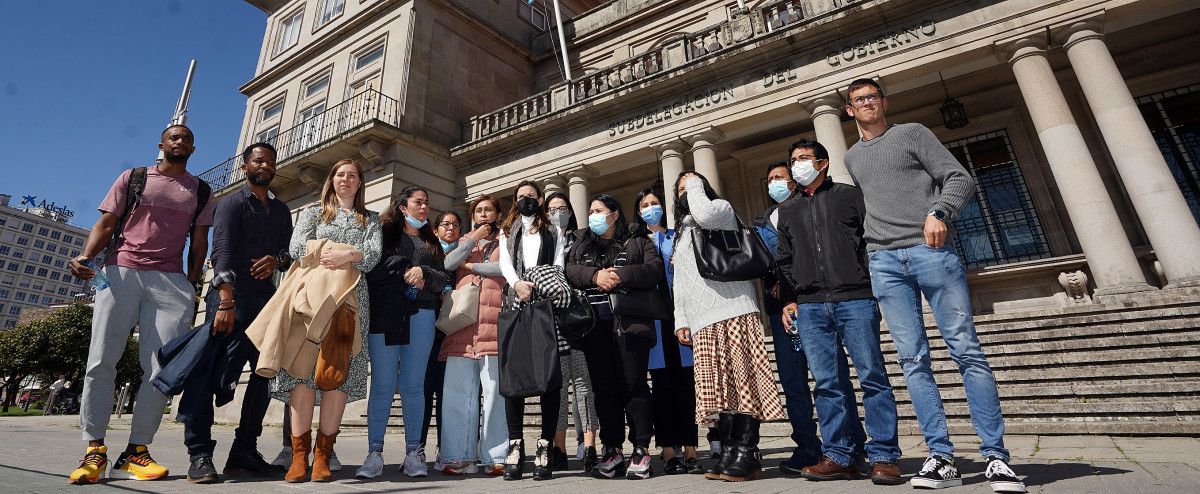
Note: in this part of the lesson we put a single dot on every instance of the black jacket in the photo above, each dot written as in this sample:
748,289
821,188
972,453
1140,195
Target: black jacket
640,273
772,288
821,252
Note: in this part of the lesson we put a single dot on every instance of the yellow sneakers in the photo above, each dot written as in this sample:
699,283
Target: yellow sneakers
95,461
137,466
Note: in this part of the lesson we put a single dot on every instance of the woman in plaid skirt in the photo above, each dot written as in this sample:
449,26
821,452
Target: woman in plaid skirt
734,383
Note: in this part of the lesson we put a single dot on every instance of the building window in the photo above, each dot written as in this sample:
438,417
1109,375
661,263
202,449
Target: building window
78,242
999,225
62,290
289,32
12,266
18,254
268,136
1171,116
60,263
19,297
10,323
316,88
51,247
33,299
56,235
39,244
535,13
43,272
3,294
67,239
47,259
311,120
15,310
27,228
62,250
329,11
270,111
22,240
30,269
55,275
43,231
7,280
367,58
4,249
66,278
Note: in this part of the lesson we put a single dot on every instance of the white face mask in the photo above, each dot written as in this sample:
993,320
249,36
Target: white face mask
803,172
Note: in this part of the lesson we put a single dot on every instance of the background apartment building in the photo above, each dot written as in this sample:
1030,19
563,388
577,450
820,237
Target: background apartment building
35,245
1076,117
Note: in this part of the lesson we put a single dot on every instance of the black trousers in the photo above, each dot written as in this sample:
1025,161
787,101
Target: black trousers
196,403
617,365
435,375
514,415
674,399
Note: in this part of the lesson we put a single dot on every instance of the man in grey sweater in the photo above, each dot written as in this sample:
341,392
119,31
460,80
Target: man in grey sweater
913,188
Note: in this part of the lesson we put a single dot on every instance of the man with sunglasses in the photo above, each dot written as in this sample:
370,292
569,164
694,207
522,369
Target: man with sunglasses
912,188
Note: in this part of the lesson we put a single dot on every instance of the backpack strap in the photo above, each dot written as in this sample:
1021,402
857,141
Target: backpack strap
133,196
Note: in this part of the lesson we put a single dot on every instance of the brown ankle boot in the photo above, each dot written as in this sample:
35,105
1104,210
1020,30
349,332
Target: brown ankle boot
300,448
320,466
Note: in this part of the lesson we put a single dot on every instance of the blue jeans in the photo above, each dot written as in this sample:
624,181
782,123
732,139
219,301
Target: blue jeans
466,380
411,360
793,376
898,278
825,327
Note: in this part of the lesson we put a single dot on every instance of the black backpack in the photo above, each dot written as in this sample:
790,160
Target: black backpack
133,196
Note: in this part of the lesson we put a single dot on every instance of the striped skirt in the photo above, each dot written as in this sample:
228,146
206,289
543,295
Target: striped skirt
733,373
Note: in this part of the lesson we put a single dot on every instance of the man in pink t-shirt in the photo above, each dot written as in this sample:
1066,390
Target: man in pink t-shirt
148,289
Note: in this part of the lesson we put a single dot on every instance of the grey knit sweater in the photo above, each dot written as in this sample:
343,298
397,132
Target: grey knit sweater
905,173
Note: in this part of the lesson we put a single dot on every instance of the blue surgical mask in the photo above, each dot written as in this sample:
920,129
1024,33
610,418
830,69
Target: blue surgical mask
413,222
598,223
778,189
447,246
652,214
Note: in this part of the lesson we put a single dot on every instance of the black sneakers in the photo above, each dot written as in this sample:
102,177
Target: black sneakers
251,464
1002,477
937,473
202,471
558,459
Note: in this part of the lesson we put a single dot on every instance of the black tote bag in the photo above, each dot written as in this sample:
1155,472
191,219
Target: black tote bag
528,351
731,255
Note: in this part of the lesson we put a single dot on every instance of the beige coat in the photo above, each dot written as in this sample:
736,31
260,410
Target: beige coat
289,330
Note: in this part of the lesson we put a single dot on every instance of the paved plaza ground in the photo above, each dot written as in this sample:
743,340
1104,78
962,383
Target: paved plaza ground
36,453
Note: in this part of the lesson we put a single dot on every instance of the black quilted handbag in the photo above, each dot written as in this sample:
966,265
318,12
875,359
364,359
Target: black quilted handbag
578,319
731,255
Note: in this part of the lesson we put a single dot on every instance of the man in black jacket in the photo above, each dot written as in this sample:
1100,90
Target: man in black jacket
822,256
251,231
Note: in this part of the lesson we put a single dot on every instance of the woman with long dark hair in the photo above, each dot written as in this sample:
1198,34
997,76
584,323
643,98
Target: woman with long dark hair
670,362
574,368
608,260
527,240
734,380
413,254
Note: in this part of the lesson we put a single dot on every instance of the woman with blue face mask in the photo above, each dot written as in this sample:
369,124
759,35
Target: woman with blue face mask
609,259
674,397
413,269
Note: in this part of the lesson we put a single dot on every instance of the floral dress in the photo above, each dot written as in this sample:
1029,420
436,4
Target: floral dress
345,229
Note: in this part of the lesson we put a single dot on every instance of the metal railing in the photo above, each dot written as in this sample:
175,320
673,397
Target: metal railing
330,125
754,25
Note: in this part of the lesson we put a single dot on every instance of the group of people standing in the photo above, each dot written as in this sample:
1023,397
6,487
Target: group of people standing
841,254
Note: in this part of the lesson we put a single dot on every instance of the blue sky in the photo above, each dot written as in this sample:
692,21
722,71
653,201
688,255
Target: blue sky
86,87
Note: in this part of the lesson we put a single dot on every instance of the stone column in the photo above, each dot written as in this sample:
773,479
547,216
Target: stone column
1151,187
704,155
552,184
577,191
1109,255
827,122
670,156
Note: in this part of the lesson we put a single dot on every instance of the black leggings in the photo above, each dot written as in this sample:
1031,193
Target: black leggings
617,365
674,406
514,414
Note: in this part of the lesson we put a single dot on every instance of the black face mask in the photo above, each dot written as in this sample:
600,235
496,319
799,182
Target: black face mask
681,205
490,223
528,206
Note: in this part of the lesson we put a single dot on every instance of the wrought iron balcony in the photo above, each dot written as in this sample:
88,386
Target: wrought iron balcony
347,118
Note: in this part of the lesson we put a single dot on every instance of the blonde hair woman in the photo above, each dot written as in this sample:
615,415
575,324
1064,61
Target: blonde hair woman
341,216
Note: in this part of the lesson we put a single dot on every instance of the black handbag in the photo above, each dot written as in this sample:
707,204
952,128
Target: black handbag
528,351
577,319
649,304
731,255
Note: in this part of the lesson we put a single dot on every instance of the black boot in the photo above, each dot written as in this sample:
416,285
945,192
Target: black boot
542,469
725,433
514,463
747,461
590,459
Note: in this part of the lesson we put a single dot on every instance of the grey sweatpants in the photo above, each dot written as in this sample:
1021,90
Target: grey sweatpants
161,306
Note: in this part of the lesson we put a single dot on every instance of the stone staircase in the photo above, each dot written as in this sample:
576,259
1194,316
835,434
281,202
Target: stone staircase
1120,367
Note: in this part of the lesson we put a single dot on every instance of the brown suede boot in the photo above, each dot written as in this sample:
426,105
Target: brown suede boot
300,448
320,466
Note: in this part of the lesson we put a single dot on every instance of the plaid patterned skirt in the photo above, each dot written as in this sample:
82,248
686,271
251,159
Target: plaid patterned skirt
733,373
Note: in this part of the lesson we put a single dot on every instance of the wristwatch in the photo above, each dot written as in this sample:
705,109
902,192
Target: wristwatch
939,214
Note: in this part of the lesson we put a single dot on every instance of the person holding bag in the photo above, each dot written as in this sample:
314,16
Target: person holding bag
471,354
720,319
528,240
342,216
406,234
674,396
608,263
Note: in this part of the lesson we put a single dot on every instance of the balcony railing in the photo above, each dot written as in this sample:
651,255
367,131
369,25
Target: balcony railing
330,125
755,25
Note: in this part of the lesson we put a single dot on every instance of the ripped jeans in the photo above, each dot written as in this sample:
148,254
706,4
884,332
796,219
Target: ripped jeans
898,278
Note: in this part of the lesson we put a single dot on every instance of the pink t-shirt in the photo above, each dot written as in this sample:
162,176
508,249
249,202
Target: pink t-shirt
159,225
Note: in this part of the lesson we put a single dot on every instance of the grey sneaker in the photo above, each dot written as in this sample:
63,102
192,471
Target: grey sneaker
414,464
284,459
334,464
372,467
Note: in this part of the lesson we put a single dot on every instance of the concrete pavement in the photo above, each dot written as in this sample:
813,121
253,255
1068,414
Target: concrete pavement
36,453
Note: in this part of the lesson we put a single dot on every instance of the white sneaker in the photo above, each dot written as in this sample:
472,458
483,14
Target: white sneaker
334,464
284,459
372,466
414,464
